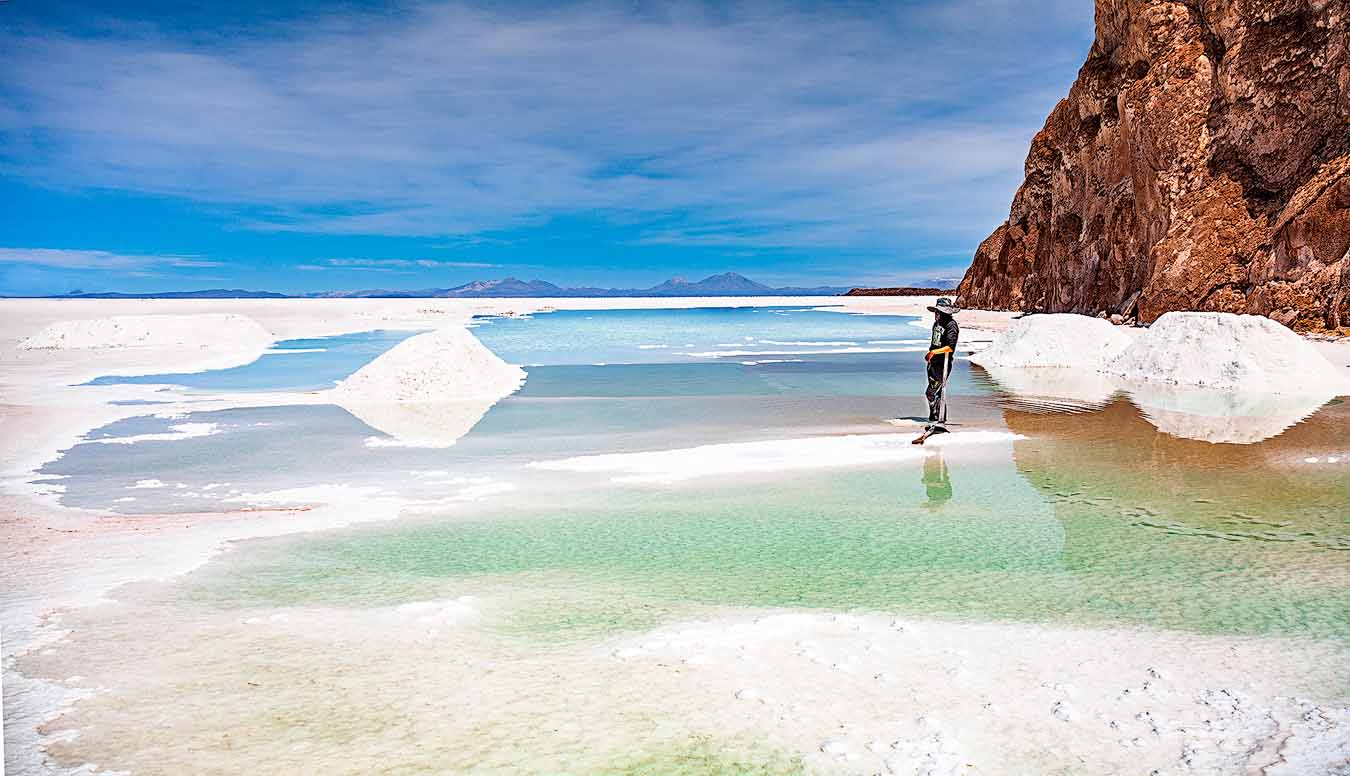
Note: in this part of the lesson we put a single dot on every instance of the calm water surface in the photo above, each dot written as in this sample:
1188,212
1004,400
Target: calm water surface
1094,517
344,651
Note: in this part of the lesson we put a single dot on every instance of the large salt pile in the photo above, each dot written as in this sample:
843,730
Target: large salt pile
428,390
1055,340
444,365
152,331
1223,351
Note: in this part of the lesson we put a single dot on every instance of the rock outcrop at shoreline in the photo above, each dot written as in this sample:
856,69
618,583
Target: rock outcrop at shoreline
1201,161
898,291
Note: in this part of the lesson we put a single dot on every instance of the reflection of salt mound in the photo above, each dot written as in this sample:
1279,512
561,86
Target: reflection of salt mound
1056,388
1057,340
419,424
129,331
1208,415
1228,352
429,390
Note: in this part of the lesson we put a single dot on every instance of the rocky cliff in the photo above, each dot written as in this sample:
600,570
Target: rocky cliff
1201,161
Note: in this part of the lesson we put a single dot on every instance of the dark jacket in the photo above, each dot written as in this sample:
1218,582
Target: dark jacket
945,335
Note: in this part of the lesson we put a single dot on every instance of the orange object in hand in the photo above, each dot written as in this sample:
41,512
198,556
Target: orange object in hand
929,355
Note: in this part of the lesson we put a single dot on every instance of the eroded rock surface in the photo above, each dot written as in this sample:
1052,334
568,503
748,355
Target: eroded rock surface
1201,161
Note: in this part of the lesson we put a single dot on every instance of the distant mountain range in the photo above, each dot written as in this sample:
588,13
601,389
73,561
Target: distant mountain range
725,284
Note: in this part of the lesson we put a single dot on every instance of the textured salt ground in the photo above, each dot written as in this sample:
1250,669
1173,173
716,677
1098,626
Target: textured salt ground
50,414
879,694
343,690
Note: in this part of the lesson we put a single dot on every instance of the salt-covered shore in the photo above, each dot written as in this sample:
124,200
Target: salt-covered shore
49,348
52,556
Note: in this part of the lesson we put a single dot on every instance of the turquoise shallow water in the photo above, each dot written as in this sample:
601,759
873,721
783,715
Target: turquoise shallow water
290,365
665,336
983,539
498,635
1096,517
666,400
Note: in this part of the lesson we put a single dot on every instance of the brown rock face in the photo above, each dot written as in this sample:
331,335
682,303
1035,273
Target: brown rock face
1200,162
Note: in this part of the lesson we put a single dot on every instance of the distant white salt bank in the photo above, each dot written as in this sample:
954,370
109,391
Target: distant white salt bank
151,331
1055,340
428,390
1228,352
738,458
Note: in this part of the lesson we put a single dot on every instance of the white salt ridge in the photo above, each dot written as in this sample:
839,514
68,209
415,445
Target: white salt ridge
1057,340
666,466
1228,352
151,331
826,351
469,489
310,495
176,433
808,343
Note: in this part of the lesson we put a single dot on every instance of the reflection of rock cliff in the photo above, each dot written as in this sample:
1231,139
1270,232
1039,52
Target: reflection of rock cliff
1200,161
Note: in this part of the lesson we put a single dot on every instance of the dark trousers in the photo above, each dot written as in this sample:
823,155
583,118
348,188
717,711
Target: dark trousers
939,370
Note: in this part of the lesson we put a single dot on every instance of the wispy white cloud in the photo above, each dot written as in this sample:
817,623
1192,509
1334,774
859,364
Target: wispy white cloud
746,125
402,266
60,258
405,263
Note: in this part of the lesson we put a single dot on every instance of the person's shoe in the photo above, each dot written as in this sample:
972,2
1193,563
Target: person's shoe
938,428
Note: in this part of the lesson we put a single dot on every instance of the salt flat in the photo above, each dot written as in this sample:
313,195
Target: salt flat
677,580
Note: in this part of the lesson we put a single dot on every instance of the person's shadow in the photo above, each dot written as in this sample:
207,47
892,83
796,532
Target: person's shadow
936,481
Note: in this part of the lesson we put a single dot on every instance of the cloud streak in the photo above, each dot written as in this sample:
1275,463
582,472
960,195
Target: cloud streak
59,258
405,266
755,125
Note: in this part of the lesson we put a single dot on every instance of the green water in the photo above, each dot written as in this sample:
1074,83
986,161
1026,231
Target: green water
1095,517
1051,530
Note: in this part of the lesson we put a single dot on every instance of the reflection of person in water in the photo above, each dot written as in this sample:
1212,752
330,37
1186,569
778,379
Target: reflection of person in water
936,481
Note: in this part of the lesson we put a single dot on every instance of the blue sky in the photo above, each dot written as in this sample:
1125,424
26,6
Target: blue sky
307,146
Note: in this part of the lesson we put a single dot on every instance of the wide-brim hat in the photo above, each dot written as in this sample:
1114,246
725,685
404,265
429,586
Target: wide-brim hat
944,305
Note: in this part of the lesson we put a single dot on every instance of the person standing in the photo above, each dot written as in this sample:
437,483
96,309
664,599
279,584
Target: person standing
941,354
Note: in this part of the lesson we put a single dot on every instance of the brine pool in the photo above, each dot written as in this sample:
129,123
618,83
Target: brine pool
660,468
